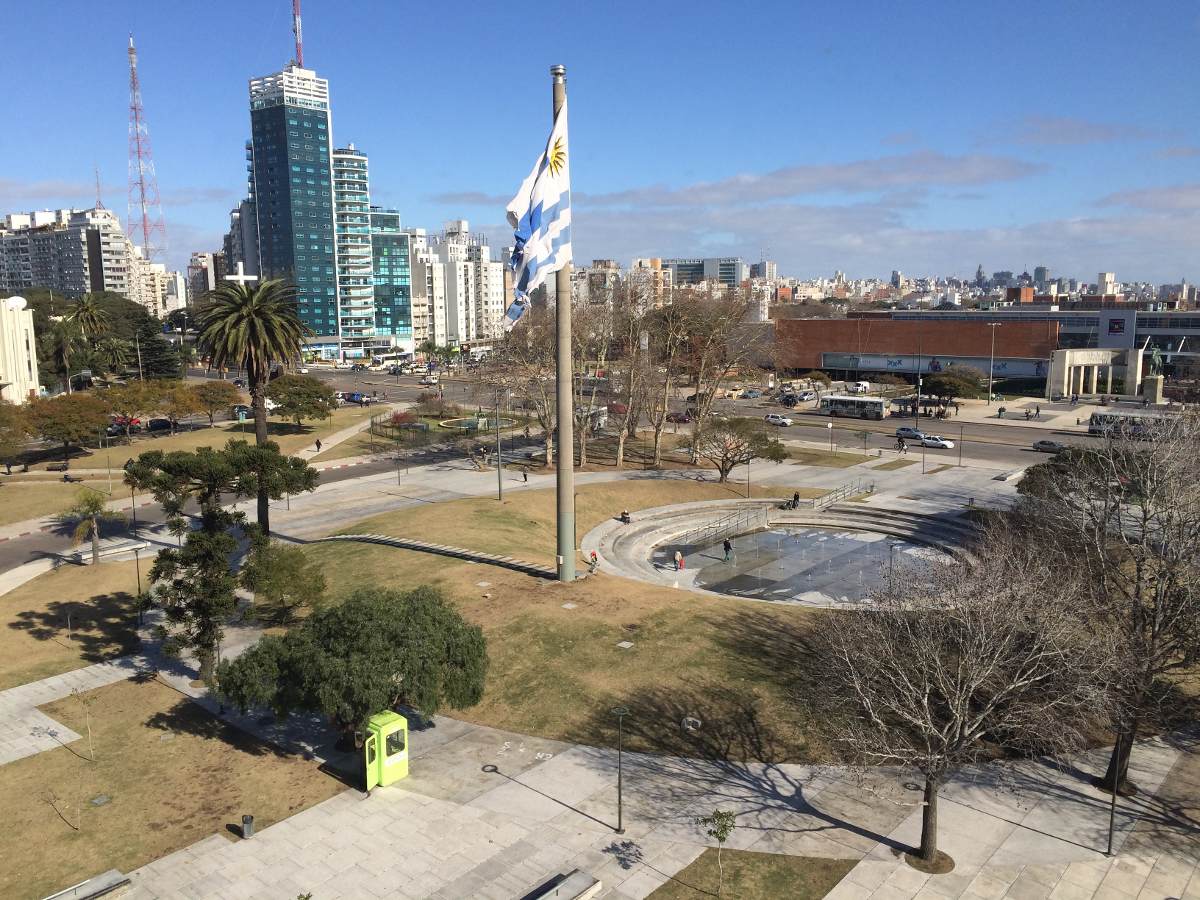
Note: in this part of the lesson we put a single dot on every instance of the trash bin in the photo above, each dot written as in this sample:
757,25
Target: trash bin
247,826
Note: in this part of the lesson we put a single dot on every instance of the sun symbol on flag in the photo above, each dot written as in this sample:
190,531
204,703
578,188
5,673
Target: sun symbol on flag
557,157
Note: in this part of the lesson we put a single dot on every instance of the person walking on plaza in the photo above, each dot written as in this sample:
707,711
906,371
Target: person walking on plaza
525,476
678,560
728,550
318,445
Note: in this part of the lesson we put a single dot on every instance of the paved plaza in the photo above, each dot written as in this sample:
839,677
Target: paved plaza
488,813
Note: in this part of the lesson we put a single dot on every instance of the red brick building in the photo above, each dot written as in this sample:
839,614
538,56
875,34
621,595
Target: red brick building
879,344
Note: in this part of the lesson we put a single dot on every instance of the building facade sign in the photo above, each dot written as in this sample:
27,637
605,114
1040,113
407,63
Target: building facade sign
931,365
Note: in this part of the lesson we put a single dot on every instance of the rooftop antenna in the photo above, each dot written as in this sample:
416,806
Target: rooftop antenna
99,204
298,32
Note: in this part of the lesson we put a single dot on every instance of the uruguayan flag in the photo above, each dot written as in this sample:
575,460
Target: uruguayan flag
540,215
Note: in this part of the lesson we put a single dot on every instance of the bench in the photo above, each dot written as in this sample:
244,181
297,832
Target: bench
82,555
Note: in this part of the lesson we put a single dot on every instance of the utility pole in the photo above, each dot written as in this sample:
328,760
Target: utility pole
499,456
992,359
565,476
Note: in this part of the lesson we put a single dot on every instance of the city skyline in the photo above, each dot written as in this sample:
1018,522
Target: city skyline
951,157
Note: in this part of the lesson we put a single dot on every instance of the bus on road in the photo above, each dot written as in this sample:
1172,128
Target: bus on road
1129,423
855,407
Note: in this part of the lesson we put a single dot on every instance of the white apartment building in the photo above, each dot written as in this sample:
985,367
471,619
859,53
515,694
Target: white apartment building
428,292
75,252
18,354
472,286
651,281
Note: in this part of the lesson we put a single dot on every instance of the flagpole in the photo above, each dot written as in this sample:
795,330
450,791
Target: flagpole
563,386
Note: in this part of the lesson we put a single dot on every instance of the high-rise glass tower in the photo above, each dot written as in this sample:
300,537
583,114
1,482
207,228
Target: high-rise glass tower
352,225
392,250
292,188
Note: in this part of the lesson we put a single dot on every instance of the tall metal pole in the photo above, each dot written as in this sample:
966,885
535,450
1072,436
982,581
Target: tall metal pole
565,476
991,360
620,712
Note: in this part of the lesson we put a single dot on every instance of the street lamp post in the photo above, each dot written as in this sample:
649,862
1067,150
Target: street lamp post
829,425
960,443
620,712
991,360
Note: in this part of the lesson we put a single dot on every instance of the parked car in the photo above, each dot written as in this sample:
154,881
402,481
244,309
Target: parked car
752,394
619,408
788,400
776,419
343,365
158,425
937,442
859,387
909,433
303,370
239,382
679,417
806,395
1047,446
428,379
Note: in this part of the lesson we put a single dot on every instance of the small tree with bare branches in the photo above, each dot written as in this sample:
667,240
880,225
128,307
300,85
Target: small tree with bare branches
957,661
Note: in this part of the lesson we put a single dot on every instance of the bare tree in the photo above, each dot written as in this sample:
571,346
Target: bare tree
717,345
953,656
662,368
628,327
591,345
729,443
1126,516
524,366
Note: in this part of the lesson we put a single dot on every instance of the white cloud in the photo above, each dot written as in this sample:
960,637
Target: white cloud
1064,130
921,169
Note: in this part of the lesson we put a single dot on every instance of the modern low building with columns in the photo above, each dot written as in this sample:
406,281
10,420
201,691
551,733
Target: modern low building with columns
1090,372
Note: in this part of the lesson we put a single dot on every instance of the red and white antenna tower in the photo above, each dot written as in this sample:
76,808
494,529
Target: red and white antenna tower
143,183
296,30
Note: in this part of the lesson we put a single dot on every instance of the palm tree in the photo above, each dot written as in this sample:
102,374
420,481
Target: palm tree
255,327
91,319
112,354
61,342
90,511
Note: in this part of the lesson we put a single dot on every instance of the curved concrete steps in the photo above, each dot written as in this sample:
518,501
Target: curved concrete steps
490,559
628,550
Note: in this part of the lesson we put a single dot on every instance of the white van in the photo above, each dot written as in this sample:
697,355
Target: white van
859,387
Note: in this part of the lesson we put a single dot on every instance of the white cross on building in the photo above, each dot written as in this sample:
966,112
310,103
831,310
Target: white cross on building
241,277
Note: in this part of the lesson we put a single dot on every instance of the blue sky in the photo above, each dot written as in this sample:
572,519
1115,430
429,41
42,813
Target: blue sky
862,137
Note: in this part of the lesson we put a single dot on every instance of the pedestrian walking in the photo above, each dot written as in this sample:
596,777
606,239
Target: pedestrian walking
318,445
678,560
525,476
728,550
1037,412
593,561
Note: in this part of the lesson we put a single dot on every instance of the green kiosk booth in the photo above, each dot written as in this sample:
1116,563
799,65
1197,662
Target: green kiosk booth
385,750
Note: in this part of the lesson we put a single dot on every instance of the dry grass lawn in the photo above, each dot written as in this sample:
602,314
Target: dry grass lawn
290,439
34,643
756,876
894,464
172,773
738,666
807,456
22,499
524,524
